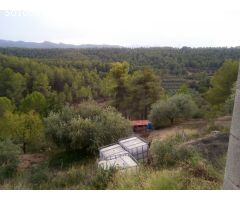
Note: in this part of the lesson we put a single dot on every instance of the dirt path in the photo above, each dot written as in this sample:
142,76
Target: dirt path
28,160
188,127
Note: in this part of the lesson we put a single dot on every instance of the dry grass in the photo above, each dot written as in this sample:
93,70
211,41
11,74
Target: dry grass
192,128
173,179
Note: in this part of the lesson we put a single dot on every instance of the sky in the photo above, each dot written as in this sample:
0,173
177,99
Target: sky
130,23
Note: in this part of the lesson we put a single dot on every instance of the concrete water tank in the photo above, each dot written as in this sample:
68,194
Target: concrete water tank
136,146
126,163
111,152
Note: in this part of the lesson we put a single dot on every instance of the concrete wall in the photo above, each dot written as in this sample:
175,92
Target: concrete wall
232,171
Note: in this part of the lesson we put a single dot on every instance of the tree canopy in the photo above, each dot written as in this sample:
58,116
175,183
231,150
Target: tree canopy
23,128
222,82
34,101
86,127
179,106
5,105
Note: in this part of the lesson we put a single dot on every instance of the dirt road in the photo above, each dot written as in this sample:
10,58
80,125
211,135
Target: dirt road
188,127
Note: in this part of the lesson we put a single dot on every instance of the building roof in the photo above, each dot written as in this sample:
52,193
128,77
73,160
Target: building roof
140,122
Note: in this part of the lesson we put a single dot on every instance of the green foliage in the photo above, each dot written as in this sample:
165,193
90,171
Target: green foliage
174,165
8,159
21,76
55,101
147,178
71,76
185,106
183,90
34,101
119,75
144,90
168,153
200,169
38,176
161,114
41,84
164,112
87,127
199,82
141,87
89,109
23,128
73,178
175,61
222,82
12,85
102,179
167,179
5,105
79,177
65,159
229,103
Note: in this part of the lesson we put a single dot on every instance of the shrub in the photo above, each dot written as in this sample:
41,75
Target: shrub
86,128
164,112
102,178
38,176
166,179
168,153
83,177
161,114
131,181
65,159
8,159
147,178
197,169
89,109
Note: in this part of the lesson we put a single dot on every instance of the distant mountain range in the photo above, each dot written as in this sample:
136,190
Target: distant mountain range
51,45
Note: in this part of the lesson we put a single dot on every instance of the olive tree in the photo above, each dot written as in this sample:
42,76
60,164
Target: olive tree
86,127
162,114
179,106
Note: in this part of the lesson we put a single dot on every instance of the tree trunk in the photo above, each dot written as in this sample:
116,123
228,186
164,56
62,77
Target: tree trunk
172,121
24,147
145,112
232,170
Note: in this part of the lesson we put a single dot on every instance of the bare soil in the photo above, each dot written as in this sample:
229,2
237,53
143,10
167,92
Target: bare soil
212,147
29,160
197,125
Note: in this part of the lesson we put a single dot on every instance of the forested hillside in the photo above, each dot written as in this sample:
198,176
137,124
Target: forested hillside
166,59
59,106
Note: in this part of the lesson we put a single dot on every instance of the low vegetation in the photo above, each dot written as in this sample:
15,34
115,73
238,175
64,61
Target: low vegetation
165,112
63,108
86,127
8,160
173,165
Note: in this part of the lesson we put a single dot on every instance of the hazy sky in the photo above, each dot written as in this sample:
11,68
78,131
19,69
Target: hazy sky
123,22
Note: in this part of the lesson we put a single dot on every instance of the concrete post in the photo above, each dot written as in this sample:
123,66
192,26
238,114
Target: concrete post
232,170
